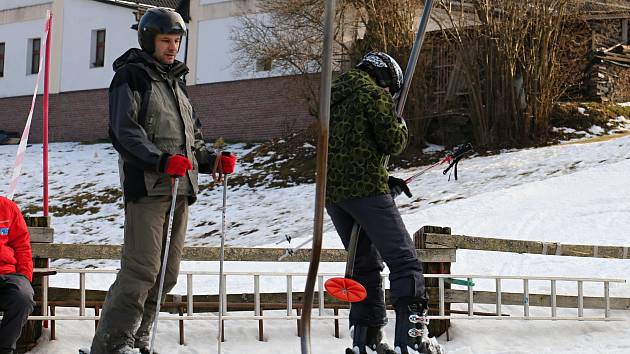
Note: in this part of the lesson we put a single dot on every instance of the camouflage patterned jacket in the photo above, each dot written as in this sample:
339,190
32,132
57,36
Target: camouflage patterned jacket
364,128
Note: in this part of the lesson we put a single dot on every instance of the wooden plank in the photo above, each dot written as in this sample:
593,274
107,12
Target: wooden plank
617,57
84,251
41,234
521,246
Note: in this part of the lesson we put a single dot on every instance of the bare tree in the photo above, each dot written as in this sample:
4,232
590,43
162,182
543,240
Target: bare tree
286,35
509,52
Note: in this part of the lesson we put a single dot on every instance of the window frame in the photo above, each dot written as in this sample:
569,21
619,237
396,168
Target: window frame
99,40
35,55
3,47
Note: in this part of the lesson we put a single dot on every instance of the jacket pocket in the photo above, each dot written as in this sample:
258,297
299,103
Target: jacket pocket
151,179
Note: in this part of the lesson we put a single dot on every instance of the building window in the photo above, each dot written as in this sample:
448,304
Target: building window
2,59
34,45
97,54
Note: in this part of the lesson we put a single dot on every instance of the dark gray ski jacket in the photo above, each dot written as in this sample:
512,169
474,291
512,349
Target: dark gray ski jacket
150,119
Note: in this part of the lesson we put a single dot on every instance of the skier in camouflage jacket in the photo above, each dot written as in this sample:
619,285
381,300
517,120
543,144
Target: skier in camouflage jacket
364,129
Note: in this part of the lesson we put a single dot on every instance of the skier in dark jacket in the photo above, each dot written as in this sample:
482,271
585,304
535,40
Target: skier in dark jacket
154,130
364,129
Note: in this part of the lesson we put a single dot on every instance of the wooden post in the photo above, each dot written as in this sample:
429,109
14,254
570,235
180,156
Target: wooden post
436,327
182,341
261,334
53,331
96,312
336,312
299,327
41,233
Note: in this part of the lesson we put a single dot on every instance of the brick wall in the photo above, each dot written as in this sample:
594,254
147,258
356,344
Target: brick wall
251,109
247,110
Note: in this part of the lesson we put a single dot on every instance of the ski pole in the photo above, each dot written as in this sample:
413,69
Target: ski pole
452,159
174,186
221,259
226,162
291,251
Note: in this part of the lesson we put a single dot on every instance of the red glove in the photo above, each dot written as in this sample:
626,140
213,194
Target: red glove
224,165
177,165
228,162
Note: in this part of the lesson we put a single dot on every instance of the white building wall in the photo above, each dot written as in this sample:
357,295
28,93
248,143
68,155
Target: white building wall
214,62
11,4
81,17
16,81
215,59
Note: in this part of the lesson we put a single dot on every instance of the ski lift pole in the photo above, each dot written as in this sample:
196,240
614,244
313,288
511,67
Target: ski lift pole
322,161
346,289
415,54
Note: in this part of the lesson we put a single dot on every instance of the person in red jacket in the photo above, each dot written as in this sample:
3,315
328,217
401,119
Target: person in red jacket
16,274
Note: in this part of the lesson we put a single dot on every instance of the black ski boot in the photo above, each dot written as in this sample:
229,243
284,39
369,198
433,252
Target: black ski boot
368,340
412,333
146,350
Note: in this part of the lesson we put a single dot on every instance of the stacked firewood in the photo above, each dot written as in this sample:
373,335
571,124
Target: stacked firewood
605,72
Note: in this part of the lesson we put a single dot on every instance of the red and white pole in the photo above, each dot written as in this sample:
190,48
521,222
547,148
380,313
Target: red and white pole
45,128
21,151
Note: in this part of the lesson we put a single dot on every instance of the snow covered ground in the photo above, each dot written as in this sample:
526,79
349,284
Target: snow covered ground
571,193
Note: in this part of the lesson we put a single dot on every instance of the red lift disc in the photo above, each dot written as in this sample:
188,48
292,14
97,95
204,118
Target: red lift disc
345,289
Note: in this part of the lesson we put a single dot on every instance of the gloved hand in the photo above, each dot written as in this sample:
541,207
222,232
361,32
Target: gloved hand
224,165
177,165
397,186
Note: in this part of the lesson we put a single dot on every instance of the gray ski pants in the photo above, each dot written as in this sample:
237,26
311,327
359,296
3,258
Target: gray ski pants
16,301
130,304
383,237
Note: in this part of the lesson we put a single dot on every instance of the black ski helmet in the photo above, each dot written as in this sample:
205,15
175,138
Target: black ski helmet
158,20
384,69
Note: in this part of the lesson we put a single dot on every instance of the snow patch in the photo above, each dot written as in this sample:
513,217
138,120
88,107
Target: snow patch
596,130
431,148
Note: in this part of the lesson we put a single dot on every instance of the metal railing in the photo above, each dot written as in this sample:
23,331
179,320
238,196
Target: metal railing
444,296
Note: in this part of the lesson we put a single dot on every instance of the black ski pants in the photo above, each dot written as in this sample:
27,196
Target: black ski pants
16,303
383,237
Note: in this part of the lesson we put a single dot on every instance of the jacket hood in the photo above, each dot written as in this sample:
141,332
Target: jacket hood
139,56
346,85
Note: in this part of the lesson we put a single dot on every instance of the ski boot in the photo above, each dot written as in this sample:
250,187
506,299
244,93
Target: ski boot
142,338
368,340
142,344
146,350
412,333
